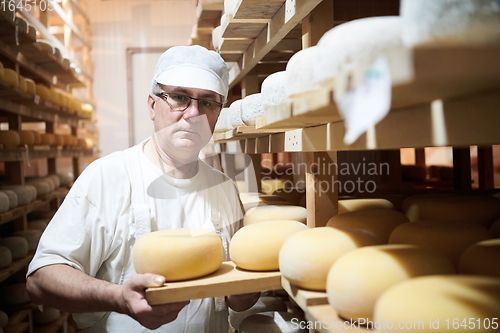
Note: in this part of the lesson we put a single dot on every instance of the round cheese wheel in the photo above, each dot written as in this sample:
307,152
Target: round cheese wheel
264,304
25,193
31,236
38,139
358,278
223,124
59,139
10,77
22,83
251,109
4,319
14,294
12,198
482,210
256,247
306,257
30,86
272,322
217,37
495,228
42,188
178,254
235,114
65,179
448,238
378,222
26,137
481,259
5,257
273,90
17,245
46,316
274,212
269,186
4,202
55,179
48,139
450,21
43,92
9,139
300,72
351,205
441,303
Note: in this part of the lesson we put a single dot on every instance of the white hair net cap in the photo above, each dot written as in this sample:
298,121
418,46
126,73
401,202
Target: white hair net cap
193,67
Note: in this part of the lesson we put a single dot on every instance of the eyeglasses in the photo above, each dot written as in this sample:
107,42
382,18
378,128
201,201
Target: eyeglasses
180,102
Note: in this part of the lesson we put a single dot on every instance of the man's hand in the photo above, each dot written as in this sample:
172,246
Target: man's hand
136,306
242,302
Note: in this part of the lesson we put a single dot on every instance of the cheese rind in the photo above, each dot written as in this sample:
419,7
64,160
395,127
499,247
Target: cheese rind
481,259
300,72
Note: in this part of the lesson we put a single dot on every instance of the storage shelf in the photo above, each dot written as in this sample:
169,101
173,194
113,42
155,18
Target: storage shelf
21,154
15,267
241,133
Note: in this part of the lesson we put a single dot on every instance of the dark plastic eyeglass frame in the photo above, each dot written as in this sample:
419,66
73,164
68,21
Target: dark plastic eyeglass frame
164,95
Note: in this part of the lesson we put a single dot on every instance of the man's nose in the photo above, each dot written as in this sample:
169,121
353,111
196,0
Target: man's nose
192,110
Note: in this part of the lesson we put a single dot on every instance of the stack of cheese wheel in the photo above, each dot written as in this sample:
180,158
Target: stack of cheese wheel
358,278
441,303
46,316
25,193
31,236
9,139
14,294
306,257
158,253
272,322
448,238
223,124
265,303
352,205
12,196
495,228
17,245
481,259
300,72
5,257
251,109
378,222
4,202
450,22
273,90
10,77
482,210
256,247
235,114
275,212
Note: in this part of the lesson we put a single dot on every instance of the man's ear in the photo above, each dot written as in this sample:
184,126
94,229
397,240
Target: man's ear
151,106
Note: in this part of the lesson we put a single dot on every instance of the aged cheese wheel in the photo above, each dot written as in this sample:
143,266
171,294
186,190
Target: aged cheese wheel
235,114
351,205
264,304
59,139
5,258
48,139
269,186
12,198
223,124
358,278
450,21
256,247
251,109
495,228
26,137
14,294
378,222
22,83
251,200
10,77
273,90
4,319
481,258
217,37
441,303
25,193
42,188
4,202
274,212
306,257
449,238
55,179
46,316
272,322
65,179
43,92
9,138
482,210
31,236
178,254
38,139
30,86
17,245
300,72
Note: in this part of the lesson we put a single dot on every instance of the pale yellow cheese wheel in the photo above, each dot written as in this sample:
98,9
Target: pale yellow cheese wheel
306,257
449,238
10,77
47,139
351,205
9,138
38,139
482,258
5,257
437,303
378,222
358,278
256,246
30,86
269,186
250,200
17,245
22,83
43,92
274,212
26,137
178,254
495,228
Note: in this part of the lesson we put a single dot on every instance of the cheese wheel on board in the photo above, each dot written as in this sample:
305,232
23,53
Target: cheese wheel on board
235,114
12,198
251,109
300,72
495,228
481,258
55,179
14,294
4,319
25,193
272,322
223,124
65,179
273,90
483,210
17,245
306,257
264,304
46,316
59,139
358,278
38,139
450,22
10,77
178,254
43,92
378,222
351,205
5,258
22,83
31,236
441,303
26,137
4,202
9,139
42,188
30,86
448,238
47,139
269,186
274,212
217,37
256,247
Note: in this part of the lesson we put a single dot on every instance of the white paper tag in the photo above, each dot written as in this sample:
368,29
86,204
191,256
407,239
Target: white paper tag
367,103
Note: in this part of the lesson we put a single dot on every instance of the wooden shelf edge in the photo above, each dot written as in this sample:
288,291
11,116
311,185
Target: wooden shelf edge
15,267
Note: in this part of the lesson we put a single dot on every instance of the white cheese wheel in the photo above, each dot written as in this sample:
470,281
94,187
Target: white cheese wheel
10,77
5,257
178,254
4,319
31,236
441,303
9,138
352,205
256,247
14,294
230,6
217,37
55,179
482,210
42,187
358,278
306,257
449,238
300,72
378,222
65,179
272,322
274,212
12,198
273,90
46,316
481,258
450,21
223,124
495,228
25,193
17,245
251,109
4,202
264,304
235,114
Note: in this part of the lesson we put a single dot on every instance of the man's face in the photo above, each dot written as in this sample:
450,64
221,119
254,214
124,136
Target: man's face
182,134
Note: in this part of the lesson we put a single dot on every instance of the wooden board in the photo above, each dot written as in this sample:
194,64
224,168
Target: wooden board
227,280
304,298
257,9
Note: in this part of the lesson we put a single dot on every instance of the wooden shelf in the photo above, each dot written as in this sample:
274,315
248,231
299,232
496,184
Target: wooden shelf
15,267
20,154
52,327
242,132
303,298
